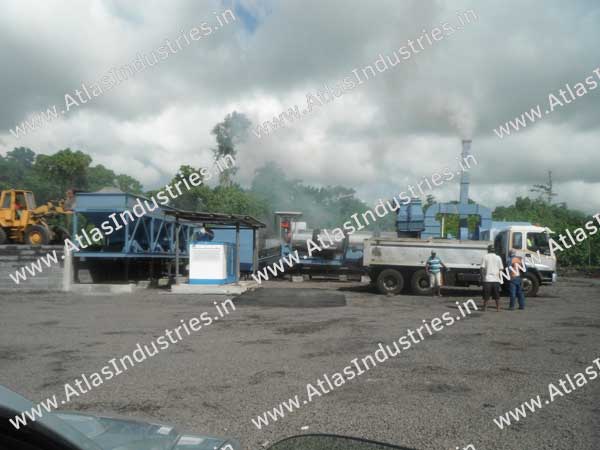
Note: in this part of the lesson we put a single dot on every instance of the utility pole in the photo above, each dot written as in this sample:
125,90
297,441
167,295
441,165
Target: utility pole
545,191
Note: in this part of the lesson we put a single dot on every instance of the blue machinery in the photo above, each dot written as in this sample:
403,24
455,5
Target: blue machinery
151,236
165,233
411,221
464,209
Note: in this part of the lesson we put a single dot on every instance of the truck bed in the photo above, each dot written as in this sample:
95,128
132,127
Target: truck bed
411,252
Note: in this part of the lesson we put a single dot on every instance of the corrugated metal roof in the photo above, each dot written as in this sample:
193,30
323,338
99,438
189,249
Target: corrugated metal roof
216,218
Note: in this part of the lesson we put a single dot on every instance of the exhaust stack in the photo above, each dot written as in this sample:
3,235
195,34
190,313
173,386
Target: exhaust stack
463,221
464,179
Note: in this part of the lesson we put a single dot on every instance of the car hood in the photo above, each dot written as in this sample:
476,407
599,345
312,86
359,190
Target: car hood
111,433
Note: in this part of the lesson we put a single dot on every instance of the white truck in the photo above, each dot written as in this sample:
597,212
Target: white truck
397,264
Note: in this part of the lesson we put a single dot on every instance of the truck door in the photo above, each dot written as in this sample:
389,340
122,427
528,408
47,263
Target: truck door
538,251
516,243
500,245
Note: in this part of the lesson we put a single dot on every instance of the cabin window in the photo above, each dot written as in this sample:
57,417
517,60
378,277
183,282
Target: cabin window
6,202
517,241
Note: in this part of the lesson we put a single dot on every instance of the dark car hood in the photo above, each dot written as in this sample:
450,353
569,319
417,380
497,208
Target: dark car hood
112,433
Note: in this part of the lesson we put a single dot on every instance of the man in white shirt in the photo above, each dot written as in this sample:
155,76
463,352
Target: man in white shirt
491,267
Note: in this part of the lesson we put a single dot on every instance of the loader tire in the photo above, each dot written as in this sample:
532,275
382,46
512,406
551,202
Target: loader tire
3,237
37,235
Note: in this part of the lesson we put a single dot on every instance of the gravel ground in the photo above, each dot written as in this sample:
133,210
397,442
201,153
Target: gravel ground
441,394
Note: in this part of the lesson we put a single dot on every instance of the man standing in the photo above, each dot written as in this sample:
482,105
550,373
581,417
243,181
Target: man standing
491,267
433,267
516,286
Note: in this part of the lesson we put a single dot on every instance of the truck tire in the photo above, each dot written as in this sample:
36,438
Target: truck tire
531,284
419,283
37,235
390,282
3,237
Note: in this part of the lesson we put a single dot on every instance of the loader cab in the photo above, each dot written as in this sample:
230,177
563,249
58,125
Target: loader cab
15,207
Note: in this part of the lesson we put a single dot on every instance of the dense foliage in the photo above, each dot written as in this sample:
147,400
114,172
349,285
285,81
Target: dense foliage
322,207
50,176
558,218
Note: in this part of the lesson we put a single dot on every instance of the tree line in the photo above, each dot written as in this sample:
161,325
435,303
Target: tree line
50,176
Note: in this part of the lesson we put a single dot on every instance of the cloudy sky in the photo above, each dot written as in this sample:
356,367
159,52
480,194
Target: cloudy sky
403,124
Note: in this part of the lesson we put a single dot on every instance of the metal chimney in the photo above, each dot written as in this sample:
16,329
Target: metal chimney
463,221
464,178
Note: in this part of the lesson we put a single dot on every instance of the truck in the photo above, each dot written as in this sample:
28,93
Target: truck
397,264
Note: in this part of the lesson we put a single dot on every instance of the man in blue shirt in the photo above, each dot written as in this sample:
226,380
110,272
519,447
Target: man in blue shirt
434,268
516,265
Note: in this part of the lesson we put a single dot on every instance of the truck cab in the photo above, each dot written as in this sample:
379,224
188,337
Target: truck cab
532,243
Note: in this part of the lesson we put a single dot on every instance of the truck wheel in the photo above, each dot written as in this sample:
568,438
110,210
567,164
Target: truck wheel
420,283
3,237
531,284
390,282
37,235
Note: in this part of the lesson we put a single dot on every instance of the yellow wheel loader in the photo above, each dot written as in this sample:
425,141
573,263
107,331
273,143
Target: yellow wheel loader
23,222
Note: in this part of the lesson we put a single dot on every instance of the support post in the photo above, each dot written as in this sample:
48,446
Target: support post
254,251
237,251
68,271
177,230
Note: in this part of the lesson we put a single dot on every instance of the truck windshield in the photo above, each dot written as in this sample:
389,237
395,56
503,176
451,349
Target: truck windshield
538,242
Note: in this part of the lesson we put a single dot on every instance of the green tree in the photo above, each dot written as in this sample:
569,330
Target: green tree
228,134
66,169
235,200
128,184
99,177
15,168
194,199
49,176
557,217
324,206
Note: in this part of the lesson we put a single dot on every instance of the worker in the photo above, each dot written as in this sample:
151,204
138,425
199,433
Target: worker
433,267
18,208
491,267
69,203
516,284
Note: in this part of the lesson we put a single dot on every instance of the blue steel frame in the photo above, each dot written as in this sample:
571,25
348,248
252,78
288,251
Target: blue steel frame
154,235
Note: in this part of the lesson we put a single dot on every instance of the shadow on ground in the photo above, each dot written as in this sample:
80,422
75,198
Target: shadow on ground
292,298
